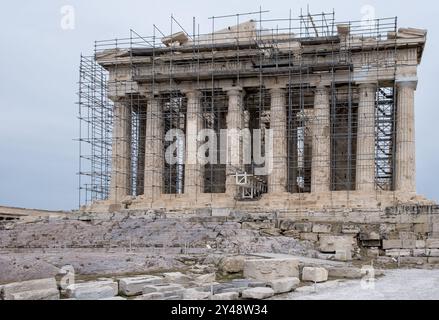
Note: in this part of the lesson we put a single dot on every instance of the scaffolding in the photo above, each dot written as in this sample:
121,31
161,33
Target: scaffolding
160,63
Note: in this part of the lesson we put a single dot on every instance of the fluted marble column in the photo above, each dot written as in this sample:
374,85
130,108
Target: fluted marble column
321,142
154,159
120,185
405,165
193,182
235,122
277,180
365,165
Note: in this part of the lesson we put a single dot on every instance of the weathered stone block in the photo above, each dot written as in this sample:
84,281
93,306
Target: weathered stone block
258,225
93,290
373,252
398,252
433,252
32,285
118,298
321,228
308,236
350,229
162,288
345,272
286,225
193,294
420,244
272,232
92,293
433,260
291,234
151,296
271,269
314,274
407,236
432,243
332,244
258,293
370,236
134,285
408,244
176,277
205,278
303,226
422,228
284,285
343,255
45,294
413,260
419,252
225,296
232,264
392,244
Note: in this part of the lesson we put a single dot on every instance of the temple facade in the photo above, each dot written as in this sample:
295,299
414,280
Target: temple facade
249,118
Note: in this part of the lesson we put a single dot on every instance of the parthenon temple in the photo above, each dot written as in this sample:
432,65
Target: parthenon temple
332,103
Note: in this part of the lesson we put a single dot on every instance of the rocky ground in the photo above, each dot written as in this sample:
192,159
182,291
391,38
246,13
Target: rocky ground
129,244
150,255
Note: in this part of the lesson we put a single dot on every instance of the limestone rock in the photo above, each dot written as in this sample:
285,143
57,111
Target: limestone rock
162,288
258,225
432,252
309,236
392,244
350,229
321,228
272,232
225,296
36,290
420,244
398,252
92,290
259,293
118,298
151,296
193,294
177,277
432,243
303,226
292,234
314,274
232,264
332,244
45,294
345,272
271,269
205,278
284,285
93,293
134,285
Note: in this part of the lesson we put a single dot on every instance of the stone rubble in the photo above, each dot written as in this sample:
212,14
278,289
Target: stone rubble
42,289
258,293
314,274
134,285
271,269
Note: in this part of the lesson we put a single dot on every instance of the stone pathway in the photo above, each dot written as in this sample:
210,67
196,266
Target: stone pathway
395,285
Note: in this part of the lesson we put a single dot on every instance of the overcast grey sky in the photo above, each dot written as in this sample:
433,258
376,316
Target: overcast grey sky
39,73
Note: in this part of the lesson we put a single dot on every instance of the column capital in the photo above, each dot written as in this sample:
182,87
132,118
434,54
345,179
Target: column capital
234,91
277,90
192,93
412,84
322,89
